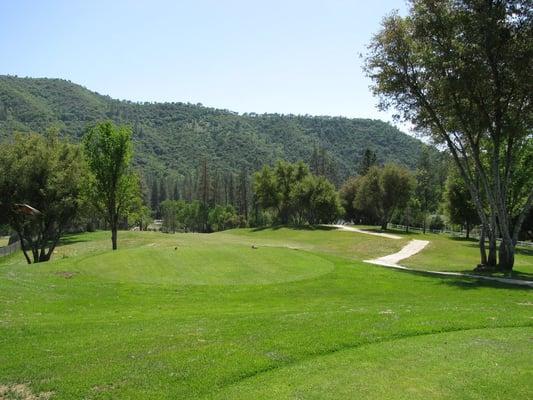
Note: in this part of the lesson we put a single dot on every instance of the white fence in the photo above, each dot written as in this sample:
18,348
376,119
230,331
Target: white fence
473,233
10,249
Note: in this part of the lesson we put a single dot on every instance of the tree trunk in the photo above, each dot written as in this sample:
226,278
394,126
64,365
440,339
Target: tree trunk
506,255
467,230
492,259
114,236
23,248
483,253
384,225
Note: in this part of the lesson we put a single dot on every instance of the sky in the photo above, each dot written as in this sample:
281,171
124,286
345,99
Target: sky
299,57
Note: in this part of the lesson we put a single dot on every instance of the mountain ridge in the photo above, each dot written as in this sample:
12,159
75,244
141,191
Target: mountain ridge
172,137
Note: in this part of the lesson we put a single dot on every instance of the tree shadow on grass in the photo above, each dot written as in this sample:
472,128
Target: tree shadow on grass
295,228
72,239
469,283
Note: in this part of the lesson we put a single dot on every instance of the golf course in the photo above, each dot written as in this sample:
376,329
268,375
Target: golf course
274,313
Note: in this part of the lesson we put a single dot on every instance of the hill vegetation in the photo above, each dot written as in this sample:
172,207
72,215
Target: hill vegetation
172,138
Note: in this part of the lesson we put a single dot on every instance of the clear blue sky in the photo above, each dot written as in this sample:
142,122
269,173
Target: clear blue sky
264,56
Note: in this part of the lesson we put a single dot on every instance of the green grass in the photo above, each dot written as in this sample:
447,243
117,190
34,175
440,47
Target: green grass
445,253
4,240
299,317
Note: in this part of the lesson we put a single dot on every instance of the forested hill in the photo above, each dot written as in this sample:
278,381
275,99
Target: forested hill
173,138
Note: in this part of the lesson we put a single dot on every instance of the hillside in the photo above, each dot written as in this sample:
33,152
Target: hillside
172,138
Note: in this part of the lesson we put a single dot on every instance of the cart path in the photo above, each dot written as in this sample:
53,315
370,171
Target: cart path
357,230
410,249
415,246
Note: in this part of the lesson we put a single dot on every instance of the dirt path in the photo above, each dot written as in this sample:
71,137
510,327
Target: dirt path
392,260
357,230
415,246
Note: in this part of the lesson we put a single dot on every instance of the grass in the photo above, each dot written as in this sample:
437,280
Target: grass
4,240
445,253
299,317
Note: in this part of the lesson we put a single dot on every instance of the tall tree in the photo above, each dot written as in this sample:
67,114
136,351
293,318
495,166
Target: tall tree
426,186
113,188
46,174
384,190
154,198
347,194
244,194
458,203
204,193
163,193
368,160
460,72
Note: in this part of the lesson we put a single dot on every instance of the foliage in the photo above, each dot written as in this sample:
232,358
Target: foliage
382,191
368,160
458,202
46,174
231,142
113,188
295,195
347,194
180,215
427,190
316,201
460,72
223,217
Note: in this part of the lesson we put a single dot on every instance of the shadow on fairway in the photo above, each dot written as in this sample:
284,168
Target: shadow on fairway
72,239
295,228
466,283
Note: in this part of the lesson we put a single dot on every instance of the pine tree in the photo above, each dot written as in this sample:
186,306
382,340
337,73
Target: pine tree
243,194
368,160
154,198
162,191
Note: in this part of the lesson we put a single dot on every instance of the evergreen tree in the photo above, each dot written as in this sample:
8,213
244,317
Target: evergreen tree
162,191
154,198
368,160
244,194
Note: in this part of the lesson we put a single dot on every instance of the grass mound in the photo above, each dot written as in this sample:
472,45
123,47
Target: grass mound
204,264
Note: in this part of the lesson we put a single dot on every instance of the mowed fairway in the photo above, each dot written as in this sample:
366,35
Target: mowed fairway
298,317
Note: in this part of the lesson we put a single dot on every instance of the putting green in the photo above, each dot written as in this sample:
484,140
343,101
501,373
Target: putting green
204,264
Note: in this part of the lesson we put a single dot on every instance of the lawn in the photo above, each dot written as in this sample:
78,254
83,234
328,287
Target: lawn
446,253
4,240
297,317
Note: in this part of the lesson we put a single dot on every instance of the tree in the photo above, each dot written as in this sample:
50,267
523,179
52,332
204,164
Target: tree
243,194
223,217
384,190
154,198
265,188
347,194
426,186
169,214
295,195
460,72
316,201
204,194
162,191
458,203
46,174
368,160
113,187
286,177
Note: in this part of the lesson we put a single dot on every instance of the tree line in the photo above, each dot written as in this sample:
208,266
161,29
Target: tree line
49,187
